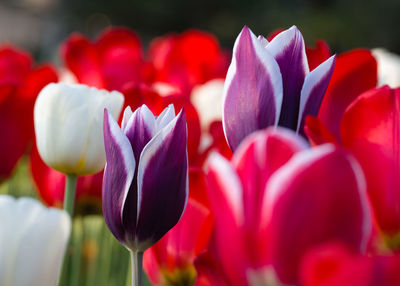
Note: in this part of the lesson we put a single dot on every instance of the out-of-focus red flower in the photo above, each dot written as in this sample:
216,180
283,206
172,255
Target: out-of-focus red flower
335,265
317,54
354,73
111,61
170,260
370,128
51,184
20,83
187,59
277,201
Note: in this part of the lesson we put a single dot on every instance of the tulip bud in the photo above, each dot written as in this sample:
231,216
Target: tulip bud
68,126
145,184
269,83
33,240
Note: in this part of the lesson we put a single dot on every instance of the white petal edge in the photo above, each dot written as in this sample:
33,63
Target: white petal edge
271,67
310,81
232,185
148,117
166,116
150,149
127,156
280,178
282,40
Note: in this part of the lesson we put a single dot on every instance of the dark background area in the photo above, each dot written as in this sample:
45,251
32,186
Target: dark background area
41,25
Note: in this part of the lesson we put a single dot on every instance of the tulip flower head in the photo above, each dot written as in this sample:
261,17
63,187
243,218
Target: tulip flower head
145,184
269,83
33,240
68,126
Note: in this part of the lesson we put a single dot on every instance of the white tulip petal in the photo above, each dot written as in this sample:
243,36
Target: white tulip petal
69,123
33,242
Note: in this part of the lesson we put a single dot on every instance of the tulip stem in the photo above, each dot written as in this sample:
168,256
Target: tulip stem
136,264
69,194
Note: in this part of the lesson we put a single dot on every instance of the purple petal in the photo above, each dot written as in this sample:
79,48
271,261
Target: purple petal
118,176
125,118
252,91
162,182
140,129
314,89
166,116
289,51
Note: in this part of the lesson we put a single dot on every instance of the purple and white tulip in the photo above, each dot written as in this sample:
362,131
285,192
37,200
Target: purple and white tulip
145,185
269,83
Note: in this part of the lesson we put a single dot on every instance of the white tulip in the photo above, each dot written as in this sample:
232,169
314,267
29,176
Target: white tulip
207,99
388,67
69,126
33,240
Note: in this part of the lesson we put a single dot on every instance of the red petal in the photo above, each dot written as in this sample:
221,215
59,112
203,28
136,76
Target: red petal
15,65
316,132
354,73
334,265
302,207
370,128
81,58
50,185
318,54
185,60
120,54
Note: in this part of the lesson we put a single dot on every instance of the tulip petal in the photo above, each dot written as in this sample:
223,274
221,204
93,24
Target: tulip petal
80,57
120,52
162,182
140,129
257,158
125,117
253,89
118,176
355,72
288,50
307,201
316,132
313,91
166,116
370,129
225,193
318,54
33,241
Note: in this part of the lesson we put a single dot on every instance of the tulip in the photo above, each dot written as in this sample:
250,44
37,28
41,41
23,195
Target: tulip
145,184
277,200
68,126
269,83
335,265
355,72
370,129
20,84
388,67
33,241
171,259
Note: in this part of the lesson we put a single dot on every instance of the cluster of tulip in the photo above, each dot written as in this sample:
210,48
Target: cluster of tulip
282,168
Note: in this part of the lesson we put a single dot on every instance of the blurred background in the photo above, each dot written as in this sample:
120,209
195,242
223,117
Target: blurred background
39,26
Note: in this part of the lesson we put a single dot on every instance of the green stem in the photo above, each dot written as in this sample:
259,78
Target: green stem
136,264
69,195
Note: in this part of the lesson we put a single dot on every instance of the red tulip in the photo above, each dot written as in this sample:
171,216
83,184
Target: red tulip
187,59
110,62
20,83
370,129
335,265
355,72
276,201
